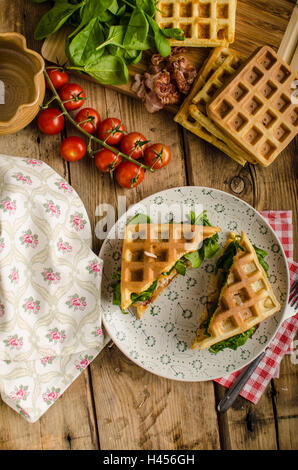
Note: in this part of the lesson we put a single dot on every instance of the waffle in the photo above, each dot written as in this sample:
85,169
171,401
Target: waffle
192,115
206,23
245,300
255,108
152,249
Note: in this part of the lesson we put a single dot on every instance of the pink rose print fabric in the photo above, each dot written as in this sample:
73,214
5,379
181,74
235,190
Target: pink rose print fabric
50,287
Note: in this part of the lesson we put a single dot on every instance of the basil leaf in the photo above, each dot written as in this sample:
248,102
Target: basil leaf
140,219
82,48
108,70
55,18
234,342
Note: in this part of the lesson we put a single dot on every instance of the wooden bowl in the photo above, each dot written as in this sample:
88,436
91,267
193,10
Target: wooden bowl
22,84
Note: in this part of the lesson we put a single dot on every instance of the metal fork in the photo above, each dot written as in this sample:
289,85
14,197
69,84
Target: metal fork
233,392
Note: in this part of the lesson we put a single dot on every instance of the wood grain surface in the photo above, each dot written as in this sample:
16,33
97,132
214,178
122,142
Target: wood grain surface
115,404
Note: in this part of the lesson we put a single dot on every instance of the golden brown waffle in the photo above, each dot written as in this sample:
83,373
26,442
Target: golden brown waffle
206,23
256,110
152,249
219,67
246,299
216,81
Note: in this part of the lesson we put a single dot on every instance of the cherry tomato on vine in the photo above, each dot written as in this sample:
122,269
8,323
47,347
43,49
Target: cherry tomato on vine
88,119
134,144
50,121
73,148
57,75
129,174
106,160
72,95
157,156
111,130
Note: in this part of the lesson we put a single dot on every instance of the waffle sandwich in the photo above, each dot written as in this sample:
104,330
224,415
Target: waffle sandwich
240,297
153,255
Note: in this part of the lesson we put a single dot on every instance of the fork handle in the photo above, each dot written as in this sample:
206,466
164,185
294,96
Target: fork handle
236,388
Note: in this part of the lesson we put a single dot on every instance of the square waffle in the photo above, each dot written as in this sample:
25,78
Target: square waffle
245,300
149,250
206,23
256,109
220,65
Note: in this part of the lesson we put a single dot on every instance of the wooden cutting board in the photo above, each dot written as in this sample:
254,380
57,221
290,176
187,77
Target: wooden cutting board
258,22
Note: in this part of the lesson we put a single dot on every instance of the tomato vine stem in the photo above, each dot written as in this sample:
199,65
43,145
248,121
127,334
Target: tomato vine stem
90,136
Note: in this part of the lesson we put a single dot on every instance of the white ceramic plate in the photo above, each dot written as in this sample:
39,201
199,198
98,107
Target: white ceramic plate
160,341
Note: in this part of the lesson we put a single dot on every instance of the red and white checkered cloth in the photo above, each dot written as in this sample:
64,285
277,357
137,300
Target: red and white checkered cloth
281,222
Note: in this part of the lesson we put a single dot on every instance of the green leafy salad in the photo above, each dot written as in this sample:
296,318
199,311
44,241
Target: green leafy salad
223,265
107,35
208,249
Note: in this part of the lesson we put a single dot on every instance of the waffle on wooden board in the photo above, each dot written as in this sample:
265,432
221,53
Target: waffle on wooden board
220,66
206,23
255,109
245,300
150,250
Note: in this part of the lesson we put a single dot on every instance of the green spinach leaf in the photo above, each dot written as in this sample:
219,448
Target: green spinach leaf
55,18
108,70
137,30
140,219
145,295
82,49
234,342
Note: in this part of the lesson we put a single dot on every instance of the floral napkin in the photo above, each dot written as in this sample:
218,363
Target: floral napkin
50,317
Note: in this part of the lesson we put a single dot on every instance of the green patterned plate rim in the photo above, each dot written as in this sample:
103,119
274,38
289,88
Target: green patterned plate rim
160,341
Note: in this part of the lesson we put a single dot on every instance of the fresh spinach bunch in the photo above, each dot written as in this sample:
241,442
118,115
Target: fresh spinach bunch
107,35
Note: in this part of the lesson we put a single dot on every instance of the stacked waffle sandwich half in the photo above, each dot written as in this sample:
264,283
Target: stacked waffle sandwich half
154,254
240,297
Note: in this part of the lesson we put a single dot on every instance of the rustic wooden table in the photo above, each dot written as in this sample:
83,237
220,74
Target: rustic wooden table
115,404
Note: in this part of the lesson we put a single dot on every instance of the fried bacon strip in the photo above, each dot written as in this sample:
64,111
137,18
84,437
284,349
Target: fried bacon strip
166,81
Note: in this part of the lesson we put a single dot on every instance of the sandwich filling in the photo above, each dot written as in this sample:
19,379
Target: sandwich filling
194,259
222,271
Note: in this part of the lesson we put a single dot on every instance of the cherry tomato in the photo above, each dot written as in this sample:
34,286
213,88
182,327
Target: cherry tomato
57,75
50,121
111,130
88,119
72,95
73,148
134,145
129,174
106,160
157,156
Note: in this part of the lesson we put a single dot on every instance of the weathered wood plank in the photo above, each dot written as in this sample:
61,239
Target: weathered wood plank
58,429
287,403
